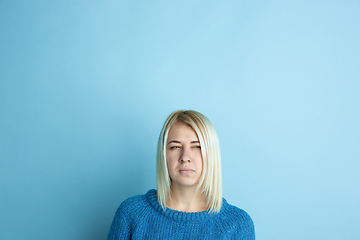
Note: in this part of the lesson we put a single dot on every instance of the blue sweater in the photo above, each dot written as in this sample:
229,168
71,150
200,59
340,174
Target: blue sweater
142,217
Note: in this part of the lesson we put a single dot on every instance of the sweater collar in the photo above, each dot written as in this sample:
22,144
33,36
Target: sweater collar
179,215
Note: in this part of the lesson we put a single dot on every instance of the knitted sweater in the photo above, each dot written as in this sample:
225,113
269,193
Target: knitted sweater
142,217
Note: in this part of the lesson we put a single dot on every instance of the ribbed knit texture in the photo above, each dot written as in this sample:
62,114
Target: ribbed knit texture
142,217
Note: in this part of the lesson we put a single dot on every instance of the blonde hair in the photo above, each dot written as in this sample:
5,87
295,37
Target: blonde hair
210,180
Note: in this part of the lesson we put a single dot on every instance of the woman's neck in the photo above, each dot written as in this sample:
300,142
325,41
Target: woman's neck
186,200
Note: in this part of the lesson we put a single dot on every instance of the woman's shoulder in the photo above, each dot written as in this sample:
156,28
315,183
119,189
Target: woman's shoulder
233,211
129,213
136,206
236,218
135,203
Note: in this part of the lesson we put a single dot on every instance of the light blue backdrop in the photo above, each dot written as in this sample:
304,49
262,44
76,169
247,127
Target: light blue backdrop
86,85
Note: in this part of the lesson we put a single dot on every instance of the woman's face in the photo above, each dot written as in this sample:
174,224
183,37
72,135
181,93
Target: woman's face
183,156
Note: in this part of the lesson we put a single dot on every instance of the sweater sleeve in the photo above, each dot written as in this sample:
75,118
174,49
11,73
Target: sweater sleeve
248,226
250,234
239,223
121,224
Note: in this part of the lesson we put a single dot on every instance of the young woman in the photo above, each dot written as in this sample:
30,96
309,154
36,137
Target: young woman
188,202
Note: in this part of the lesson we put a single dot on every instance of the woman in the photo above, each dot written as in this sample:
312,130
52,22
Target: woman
188,202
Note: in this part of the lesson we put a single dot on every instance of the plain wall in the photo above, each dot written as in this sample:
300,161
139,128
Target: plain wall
85,87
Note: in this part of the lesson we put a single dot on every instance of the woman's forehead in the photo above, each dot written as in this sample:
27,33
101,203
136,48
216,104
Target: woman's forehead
182,130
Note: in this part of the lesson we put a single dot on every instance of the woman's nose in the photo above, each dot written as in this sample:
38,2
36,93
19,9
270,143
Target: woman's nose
184,160
185,157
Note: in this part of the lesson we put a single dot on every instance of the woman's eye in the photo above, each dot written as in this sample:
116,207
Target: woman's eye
198,147
174,147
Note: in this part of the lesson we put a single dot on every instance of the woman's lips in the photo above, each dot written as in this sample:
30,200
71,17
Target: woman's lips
186,171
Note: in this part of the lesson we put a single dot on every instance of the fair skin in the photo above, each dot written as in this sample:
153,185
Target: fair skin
185,165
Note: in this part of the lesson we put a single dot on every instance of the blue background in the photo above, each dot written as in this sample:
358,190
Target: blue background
86,86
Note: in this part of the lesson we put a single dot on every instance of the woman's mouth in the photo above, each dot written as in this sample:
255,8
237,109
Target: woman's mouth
186,171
